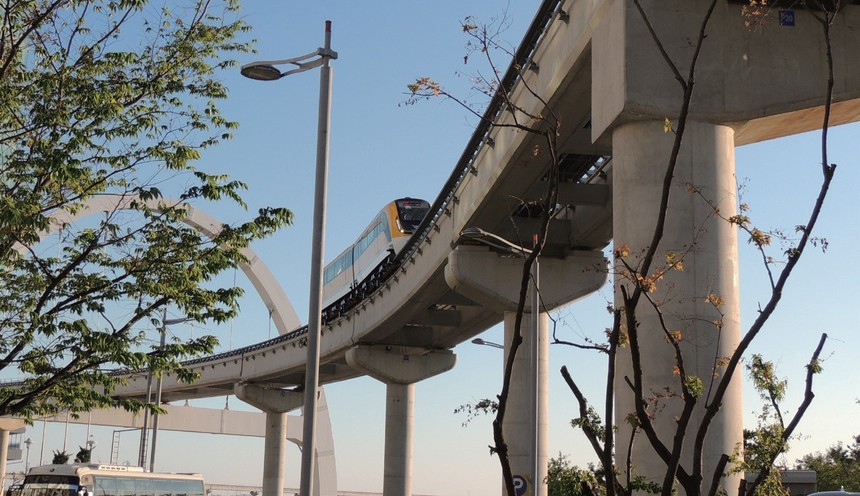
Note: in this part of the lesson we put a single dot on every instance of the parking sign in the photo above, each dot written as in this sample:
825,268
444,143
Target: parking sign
521,486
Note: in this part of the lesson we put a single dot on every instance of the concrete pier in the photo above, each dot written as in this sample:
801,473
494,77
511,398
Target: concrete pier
275,403
493,279
522,423
708,247
399,368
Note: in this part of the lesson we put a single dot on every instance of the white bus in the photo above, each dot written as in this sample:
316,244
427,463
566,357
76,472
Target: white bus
92,479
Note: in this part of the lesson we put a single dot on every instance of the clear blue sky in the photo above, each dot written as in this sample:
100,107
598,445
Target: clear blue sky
381,151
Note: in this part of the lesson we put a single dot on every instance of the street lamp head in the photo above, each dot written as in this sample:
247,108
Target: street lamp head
170,322
487,343
473,232
493,240
261,72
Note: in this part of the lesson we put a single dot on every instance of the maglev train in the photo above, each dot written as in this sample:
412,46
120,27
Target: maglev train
378,244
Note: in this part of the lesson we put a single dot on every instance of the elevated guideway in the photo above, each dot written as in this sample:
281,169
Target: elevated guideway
595,83
595,64
415,311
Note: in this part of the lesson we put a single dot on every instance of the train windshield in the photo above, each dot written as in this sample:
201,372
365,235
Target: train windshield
410,213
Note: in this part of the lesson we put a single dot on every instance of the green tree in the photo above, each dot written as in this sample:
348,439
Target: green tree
84,455
114,97
564,479
837,467
60,458
764,444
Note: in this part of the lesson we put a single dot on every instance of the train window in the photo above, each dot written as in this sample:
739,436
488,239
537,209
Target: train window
335,268
368,238
383,227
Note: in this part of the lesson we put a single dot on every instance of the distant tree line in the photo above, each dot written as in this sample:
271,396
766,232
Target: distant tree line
837,468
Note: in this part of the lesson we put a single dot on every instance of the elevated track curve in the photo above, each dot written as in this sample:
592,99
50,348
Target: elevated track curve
414,311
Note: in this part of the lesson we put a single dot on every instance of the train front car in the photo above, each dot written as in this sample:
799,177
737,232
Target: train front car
359,269
384,238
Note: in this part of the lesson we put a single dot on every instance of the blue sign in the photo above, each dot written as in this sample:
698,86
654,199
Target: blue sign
521,487
786,17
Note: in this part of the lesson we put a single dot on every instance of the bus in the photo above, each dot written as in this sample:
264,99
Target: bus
92,479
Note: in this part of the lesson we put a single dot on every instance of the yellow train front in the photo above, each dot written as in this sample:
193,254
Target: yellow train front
356,270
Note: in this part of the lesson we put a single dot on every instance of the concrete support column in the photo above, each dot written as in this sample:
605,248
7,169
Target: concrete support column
274,453
399,367
522,417
275,403
708,248
399,421
494,281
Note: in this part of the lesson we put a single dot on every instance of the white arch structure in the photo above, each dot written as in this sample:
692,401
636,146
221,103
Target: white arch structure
281,312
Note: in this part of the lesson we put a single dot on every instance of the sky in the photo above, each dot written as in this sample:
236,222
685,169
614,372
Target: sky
382,150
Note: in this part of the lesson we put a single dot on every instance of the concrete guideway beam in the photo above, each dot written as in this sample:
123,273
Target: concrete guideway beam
179,418
766,82
399,368
707,246
493,280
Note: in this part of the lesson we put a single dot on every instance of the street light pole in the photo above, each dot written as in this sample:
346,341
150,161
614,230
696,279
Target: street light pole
267,72
164,323
27,443
315,310
42,448
157,398
144,429
535,397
